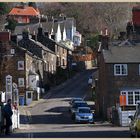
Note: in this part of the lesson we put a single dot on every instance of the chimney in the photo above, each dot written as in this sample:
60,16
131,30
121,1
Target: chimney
46,34
122,36
53,37
34,37
25,34
5,36
104,39
14,39
40,31
129,29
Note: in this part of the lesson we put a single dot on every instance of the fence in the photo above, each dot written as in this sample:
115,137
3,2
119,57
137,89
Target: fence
123,116
15,119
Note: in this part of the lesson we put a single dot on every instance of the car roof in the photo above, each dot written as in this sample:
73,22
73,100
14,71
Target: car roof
76,98
80,102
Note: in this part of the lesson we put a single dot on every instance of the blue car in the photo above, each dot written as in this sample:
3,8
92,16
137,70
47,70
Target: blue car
84,114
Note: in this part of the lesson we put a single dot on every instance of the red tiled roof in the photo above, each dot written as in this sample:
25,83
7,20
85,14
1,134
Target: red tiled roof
30,11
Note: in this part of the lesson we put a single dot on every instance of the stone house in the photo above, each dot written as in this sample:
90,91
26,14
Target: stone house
48,65
59,49
17,65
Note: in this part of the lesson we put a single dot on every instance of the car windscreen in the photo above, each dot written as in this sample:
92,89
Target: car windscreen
76,105
84,111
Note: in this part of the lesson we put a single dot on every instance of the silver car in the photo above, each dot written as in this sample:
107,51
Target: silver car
84,114
75,99
75,106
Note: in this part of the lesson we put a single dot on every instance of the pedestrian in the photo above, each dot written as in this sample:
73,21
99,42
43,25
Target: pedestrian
7,111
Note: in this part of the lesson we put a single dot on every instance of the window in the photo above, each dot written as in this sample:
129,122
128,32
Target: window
21,82
137,96
29,95
120,69
131,96
12,51
20,65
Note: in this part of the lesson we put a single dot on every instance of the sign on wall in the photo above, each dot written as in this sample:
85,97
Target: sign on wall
8,87
122,100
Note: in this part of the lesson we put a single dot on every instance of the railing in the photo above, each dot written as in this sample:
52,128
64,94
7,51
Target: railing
15,119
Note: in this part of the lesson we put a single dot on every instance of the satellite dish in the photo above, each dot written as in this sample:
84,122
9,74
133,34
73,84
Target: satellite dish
15,85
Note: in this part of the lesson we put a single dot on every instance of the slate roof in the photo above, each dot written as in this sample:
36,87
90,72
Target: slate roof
32,27
31,46
46,26
122,54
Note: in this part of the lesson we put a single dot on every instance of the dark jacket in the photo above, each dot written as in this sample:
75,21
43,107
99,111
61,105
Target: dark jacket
7,111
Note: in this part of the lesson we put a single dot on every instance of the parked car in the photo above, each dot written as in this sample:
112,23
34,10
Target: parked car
75,106
75,99
84,114
135,123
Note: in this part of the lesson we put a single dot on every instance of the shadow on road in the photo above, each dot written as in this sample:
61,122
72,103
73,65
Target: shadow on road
54,118
75,134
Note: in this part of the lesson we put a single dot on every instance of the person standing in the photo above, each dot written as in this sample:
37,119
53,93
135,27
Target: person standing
7,110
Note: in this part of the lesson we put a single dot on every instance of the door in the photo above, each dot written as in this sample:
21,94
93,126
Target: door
29,97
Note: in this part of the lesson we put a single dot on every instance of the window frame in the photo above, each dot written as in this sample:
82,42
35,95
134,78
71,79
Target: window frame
21,79
134,94
121,70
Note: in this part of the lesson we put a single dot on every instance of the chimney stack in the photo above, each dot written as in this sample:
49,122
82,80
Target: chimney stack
46,34
53,37
104,39
40,30
14,39
25,34
34,37
129,29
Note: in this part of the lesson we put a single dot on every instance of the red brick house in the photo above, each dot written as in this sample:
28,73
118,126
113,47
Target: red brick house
119,74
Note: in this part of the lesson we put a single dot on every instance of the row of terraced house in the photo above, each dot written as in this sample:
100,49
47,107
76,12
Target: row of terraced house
33,52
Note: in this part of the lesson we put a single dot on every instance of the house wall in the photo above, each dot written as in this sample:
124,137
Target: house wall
102,100
10,67
110,86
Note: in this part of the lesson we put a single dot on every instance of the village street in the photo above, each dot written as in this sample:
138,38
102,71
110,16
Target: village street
50,118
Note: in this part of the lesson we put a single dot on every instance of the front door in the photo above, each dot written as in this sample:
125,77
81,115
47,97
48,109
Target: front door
29,97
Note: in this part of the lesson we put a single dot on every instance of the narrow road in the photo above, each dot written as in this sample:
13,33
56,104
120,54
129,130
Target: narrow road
51,117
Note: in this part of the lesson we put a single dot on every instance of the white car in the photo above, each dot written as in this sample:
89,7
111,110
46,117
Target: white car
84,114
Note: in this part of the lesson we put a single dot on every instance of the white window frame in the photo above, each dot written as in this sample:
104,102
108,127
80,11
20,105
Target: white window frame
19,82
126,92
121,73
12,51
